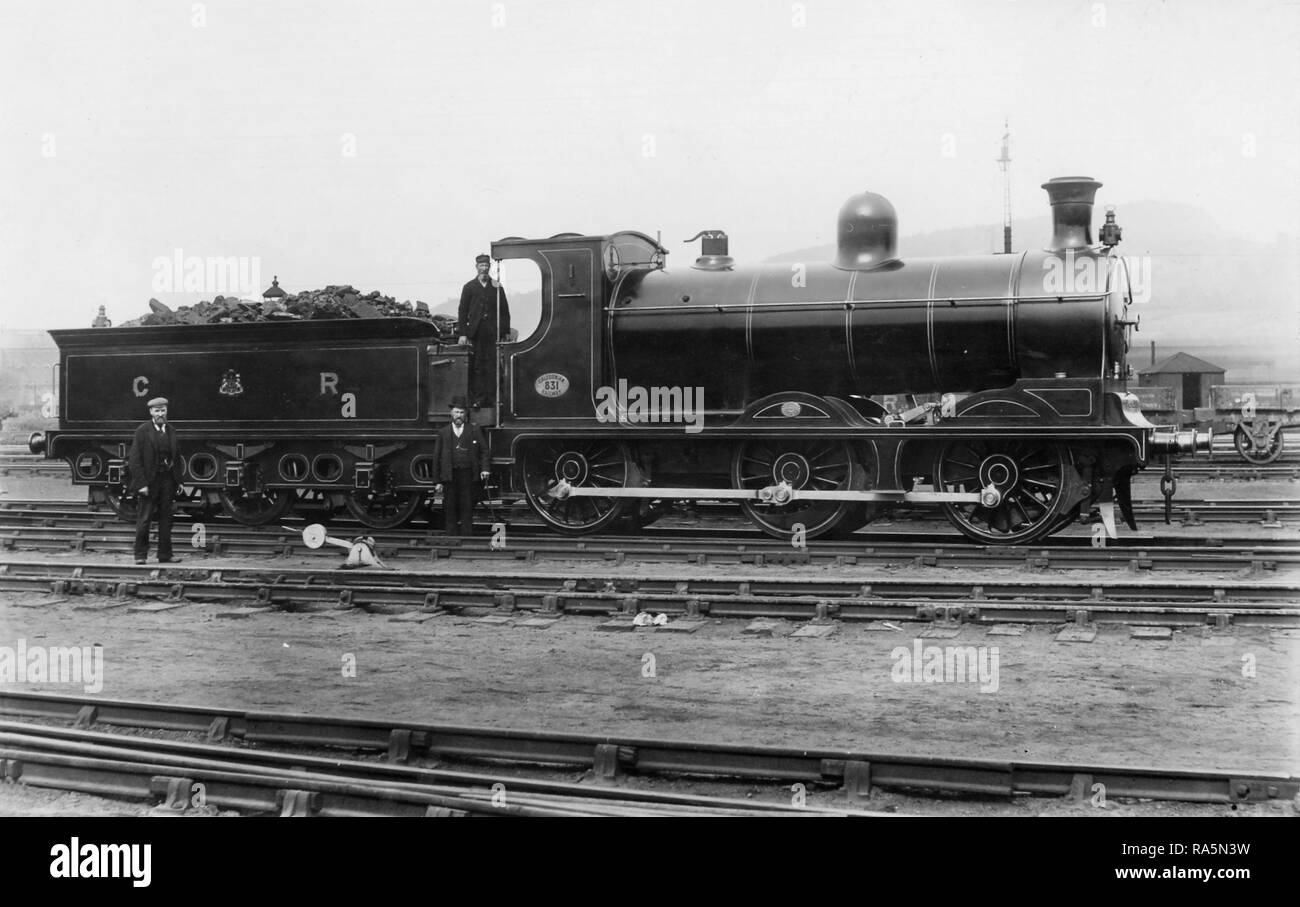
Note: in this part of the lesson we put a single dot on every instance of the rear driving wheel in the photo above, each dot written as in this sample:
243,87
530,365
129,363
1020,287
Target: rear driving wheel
579,464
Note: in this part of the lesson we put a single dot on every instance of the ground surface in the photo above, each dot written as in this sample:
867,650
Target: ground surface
1197,700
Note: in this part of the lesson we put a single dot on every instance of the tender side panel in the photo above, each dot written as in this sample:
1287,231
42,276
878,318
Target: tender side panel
281,386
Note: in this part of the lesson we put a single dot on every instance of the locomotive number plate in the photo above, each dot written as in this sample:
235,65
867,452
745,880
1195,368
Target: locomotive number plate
552,384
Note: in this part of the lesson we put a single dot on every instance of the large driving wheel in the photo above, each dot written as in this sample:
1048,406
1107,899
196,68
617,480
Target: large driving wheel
805,466
381,506
582,464
1252,452
1030,475
252,504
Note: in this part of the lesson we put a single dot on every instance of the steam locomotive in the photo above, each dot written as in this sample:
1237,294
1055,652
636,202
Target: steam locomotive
644,384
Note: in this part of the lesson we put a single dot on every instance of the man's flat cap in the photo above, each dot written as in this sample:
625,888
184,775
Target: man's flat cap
157,401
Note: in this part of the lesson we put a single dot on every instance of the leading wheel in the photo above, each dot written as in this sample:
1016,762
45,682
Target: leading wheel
1256,453
581,464
1030,475
804,466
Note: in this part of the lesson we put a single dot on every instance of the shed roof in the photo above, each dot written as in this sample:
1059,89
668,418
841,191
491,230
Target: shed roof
1181,364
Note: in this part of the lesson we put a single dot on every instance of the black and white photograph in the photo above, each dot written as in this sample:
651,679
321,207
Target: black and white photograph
586,408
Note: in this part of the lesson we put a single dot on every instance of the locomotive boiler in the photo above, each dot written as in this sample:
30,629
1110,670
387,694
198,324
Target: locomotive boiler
784,365
645,384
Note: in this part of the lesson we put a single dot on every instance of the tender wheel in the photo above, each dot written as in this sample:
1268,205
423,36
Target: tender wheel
124,504
252,505
1030,475
381,507
1257,454
583,464
804,466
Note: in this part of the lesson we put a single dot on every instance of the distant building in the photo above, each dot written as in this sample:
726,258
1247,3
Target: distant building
1189,378
27,360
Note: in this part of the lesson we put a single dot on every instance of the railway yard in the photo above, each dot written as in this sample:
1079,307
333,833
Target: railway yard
699,667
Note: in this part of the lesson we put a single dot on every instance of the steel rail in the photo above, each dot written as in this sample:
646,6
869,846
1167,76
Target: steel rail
520,519
288,793
476,785
665,548
1039,599
858,771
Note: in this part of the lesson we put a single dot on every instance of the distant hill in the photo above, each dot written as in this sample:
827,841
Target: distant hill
1214,294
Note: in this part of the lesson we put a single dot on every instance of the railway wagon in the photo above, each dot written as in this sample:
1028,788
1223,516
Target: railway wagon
1255,416
644,384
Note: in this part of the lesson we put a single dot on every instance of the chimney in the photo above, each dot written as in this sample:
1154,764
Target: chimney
1071,198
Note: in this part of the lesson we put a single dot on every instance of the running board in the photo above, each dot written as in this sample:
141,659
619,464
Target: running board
782,494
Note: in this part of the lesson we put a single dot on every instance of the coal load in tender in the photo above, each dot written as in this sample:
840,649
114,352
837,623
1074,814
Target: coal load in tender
330,302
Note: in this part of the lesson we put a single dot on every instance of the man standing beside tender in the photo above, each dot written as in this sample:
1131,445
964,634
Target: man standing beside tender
156,470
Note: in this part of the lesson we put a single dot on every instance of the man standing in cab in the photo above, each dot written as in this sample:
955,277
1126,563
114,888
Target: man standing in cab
460,454
156,470
480,328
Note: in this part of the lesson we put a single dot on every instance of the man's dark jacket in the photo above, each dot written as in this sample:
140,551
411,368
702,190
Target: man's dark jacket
478,306
148,448
444,443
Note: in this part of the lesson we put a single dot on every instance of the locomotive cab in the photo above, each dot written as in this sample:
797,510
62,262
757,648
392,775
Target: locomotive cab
554,374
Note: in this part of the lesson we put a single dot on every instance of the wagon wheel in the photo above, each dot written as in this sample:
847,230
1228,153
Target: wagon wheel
582,464
381,506
251,503
818,465
1254,453
1029,474
123,503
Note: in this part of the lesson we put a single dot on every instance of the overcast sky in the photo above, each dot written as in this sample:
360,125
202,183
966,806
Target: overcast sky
383,144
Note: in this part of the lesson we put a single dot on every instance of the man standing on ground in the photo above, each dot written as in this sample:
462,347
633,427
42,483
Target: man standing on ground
460,455
156,470
479,329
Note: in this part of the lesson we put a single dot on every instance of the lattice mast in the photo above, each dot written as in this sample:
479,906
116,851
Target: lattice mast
1004,163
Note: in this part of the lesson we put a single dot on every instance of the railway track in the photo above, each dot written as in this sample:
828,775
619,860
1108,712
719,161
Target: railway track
44,527
689,599
258,776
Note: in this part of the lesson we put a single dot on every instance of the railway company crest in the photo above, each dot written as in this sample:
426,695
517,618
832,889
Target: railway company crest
231,385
